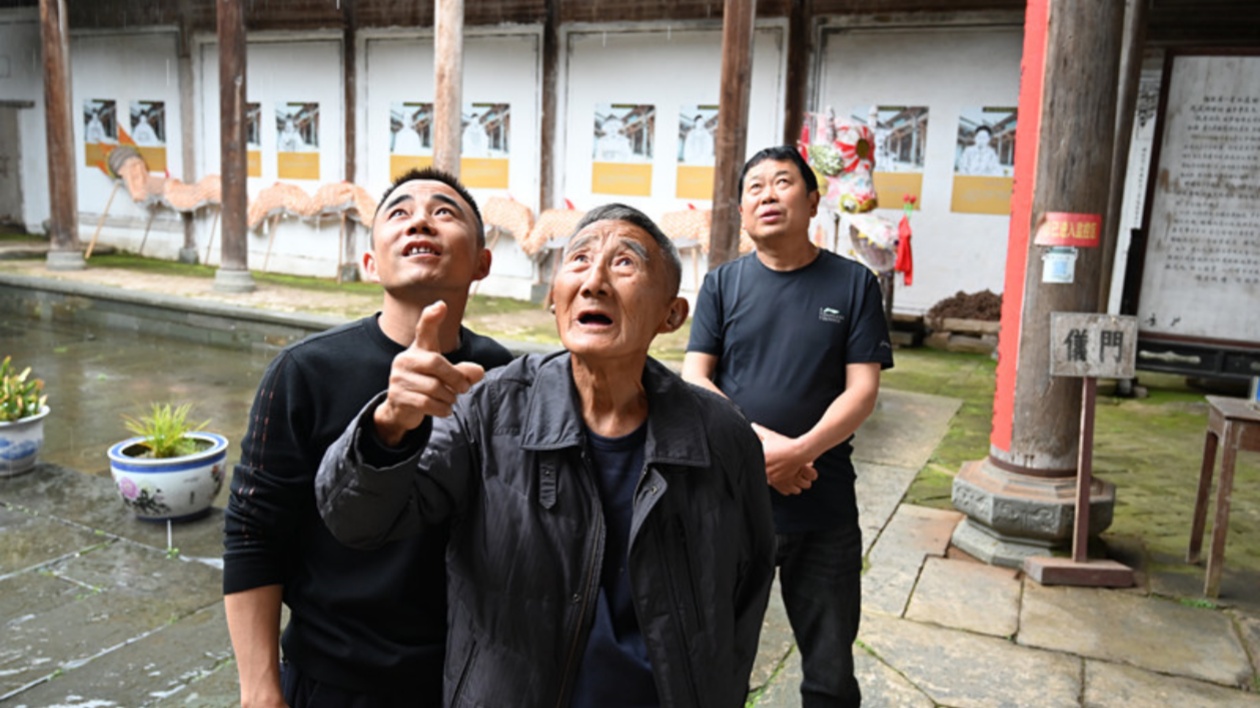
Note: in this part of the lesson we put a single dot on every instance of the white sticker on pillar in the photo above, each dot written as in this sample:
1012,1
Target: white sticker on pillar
1058,265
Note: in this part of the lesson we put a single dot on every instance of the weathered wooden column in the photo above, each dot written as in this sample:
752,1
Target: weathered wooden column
348,270
798,39
233,274
63,197
732,129
550,101
448,84
187,125
1019,501
1130,76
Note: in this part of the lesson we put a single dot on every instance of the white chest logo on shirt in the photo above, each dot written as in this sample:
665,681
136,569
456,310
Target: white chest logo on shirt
830,314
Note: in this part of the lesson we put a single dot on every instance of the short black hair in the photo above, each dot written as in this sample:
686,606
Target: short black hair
630,215
782,153
433,174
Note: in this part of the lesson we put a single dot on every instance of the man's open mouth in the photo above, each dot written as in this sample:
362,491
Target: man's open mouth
594,318
421,249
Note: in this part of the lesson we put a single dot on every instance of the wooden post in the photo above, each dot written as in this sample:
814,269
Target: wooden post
1067,110
1130,77
798,40
233,274
732,130
547,137
64,253
187,124
349,55
448,104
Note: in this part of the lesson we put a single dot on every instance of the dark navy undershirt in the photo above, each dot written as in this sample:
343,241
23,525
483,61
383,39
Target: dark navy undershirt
615,670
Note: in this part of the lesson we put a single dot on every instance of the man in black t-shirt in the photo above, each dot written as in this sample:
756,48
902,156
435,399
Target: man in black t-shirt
366,629
796,337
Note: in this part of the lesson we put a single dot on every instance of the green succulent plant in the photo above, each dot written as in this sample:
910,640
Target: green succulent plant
20,396
166,430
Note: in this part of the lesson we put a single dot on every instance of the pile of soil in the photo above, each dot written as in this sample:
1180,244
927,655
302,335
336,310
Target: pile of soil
984,306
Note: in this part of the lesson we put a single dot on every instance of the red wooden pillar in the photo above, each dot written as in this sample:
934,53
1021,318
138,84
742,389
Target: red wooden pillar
1019,500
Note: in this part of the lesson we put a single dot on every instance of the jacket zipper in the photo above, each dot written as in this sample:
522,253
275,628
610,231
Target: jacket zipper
597,540
681,627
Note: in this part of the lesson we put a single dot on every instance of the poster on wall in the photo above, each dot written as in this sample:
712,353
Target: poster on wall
297,140
148,130
696,126
100,130
624,145
1200,276
410,137
253,139
900,139
484,145
984,160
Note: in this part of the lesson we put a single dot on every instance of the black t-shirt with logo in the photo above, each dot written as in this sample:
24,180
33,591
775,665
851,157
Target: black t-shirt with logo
783,340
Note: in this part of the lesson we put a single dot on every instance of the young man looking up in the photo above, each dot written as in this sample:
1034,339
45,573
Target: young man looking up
366,629
796,337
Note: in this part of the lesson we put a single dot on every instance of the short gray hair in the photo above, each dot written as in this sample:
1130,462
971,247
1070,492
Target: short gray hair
630,215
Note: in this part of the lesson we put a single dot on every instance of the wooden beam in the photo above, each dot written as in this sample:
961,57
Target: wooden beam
550,101
732,130
448,103
63,253
233,274
349,49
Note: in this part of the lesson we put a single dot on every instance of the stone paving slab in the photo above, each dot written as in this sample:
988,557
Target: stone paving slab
879,489
912,534
1114,685
92,502
1150,633
162,665
964,594
90,604
965,670
217,690
904,429
776,640
30,540
1249,628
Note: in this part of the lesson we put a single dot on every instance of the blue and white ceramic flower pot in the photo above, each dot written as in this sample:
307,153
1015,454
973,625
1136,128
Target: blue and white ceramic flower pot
174,488
20,443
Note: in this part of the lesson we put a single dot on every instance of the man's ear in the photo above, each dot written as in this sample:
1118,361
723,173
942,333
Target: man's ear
483,264
369,267
814,197
677,315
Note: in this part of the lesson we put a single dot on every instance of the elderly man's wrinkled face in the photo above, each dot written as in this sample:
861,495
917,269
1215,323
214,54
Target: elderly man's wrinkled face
613,292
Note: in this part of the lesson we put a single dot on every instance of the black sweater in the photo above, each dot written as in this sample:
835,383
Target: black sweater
367,621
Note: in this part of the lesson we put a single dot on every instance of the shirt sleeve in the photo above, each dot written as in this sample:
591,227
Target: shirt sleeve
868,338
272,485
706,321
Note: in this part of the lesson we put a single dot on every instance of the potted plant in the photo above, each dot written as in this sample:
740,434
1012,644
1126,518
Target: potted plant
172,469
23,407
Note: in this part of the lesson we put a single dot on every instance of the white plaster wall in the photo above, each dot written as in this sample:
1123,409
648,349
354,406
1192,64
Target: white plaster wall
24,81
499,67
280,69
667,67
947,70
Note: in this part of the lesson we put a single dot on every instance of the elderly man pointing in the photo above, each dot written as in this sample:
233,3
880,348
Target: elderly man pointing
611,540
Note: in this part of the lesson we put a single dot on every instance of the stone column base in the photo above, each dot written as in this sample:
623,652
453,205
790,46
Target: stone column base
1011,516
189,255
233,281
66,260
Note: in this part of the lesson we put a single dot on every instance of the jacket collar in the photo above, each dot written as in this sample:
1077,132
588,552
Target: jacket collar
675,434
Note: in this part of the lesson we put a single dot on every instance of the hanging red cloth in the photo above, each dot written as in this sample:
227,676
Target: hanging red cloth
905,260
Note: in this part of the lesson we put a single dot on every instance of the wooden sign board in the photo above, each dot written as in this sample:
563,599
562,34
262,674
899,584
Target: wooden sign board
1091,344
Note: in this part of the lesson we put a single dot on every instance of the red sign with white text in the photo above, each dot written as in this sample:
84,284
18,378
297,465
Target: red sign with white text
1063,228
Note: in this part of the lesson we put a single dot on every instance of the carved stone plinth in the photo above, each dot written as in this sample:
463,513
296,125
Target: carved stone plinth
65,260
233,281
1012,516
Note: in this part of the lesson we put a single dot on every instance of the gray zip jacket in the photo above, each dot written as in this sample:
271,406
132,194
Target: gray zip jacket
510,470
